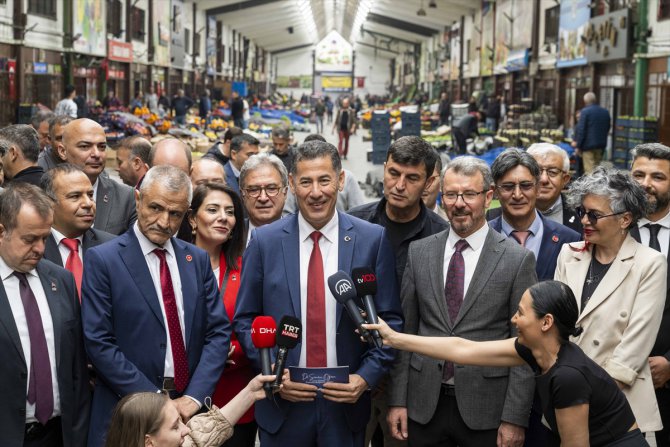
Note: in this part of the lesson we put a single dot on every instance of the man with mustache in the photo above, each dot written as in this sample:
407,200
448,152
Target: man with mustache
72,232
651,169
153,318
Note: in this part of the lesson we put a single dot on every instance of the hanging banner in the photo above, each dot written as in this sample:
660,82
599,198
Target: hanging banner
210,46
486,47
161,33
334,53
503,36
455,41
11,70
89,27
330,83
575,15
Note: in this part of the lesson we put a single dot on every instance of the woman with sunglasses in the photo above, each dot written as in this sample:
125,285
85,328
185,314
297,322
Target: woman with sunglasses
619,284
217,220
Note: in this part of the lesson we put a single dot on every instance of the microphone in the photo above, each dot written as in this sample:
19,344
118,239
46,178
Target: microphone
263,331
288,336
342,288
365,282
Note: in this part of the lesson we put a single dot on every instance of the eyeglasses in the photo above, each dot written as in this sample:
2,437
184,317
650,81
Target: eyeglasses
467,196
552,172
509,188
592,216
255,191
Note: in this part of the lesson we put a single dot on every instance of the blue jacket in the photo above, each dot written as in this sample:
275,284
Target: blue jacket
592,128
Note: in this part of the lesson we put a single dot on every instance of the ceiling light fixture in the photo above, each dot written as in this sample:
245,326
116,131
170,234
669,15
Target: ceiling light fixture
421,12
432,4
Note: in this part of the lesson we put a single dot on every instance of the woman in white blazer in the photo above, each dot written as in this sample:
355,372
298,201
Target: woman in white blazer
619,285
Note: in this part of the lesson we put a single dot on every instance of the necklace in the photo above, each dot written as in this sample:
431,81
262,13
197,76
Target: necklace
596,272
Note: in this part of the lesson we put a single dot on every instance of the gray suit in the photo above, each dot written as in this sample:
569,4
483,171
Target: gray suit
114,206
485,396
92,237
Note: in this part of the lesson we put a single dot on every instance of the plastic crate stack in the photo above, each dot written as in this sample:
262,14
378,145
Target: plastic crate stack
411,124
628,133
380,128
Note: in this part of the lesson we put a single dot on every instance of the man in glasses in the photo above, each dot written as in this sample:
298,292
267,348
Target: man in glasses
651,169
517,175
263,184
465,281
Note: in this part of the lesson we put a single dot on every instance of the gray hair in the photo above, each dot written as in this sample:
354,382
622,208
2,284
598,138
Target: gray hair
652,151
280,132
25,138
510,159
173,179
622,191
470,166
40,117
15,196
590,98
49,178
58,120
316,149
263,159
138,147
541,149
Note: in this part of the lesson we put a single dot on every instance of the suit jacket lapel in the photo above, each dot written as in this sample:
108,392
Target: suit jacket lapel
491,253
102,203
291,250
436,252
51,251
345,250
7,321
187,276
549,246
54,297
88,240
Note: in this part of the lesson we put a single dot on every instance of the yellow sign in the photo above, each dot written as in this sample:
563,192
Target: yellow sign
336,82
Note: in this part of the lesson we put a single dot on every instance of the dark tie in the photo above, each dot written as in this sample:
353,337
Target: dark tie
453,293
520,236
174,327
40,387
317,354
73,263
653,236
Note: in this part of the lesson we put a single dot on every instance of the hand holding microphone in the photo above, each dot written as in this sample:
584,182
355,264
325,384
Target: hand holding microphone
288,336
263,331
342,288
365,282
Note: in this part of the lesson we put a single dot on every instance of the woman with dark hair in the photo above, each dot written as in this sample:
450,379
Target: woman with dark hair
580,401
619,283
152,420
217,220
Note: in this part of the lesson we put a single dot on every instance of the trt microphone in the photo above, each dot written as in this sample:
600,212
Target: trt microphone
365,282
342,288
288,336
263,331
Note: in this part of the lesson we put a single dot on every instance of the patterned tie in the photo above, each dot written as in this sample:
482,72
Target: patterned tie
453,293
317,355
653,236
40,387
520,236
73,263
174,328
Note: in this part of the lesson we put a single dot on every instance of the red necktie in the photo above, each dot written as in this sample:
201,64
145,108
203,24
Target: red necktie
174,328
454,286
40,386
73,263
316,308
520,236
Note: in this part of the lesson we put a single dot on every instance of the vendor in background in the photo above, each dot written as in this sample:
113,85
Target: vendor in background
111,100
152,100
345,124
137,102
205,106
180,106
444,109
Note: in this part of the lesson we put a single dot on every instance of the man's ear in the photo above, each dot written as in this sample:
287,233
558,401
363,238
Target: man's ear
60,149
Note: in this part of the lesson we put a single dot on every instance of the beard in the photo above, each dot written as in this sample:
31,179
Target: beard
658,202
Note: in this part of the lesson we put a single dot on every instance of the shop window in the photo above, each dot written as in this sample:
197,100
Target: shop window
43,8
137,18
663,9
114,12
551,16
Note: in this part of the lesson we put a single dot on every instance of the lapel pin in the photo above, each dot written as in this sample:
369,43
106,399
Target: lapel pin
554,238
347,238
189,258
234,277
53,286
105,198
572,219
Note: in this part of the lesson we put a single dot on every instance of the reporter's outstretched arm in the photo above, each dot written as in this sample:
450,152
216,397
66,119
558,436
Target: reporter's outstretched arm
239,404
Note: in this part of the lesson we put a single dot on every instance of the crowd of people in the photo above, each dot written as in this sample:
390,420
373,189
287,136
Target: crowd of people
128,309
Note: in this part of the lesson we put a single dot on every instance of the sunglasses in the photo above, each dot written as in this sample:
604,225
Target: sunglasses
592,216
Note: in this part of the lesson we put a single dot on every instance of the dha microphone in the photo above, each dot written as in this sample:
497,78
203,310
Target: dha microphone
342,288
365,282
263,331
288,336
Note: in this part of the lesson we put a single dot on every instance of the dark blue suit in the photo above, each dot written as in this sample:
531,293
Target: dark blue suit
231,179
553,237
124,330
271,286
592,129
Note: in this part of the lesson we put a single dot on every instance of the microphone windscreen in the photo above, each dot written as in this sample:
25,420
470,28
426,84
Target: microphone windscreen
365,281
263,331
288,333
342,287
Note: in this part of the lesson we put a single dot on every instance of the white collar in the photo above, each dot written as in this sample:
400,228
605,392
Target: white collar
329,231
663,221
6,271
147,246
475,240
58,236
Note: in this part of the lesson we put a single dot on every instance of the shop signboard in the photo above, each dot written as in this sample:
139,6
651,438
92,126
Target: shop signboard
161,33
607,36
40,68
517,60
90,27
333,54
120,51
333,82
572,25
210,46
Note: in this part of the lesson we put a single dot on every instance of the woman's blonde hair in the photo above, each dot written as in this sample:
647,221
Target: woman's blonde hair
134,417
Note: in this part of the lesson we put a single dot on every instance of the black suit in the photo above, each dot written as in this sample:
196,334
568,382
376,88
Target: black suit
92,237
32,175
61,294
661,348
570,218
115,206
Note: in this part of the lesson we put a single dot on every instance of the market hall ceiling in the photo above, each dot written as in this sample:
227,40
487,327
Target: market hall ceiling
278,25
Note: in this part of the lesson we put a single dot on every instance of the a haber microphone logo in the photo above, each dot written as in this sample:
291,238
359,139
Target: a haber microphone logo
290,331
342,286
368,277
264,330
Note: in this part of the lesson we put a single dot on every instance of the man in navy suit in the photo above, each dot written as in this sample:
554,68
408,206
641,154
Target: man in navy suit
591,132
241,148
284,260
153,318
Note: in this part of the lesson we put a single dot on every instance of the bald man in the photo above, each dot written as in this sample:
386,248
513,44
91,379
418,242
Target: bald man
84,145
173,152
207,170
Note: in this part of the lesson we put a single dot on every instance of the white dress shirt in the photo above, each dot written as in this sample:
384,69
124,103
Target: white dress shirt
470,255
663,232
95,189
329,254
251,228
154,269
11,285
62,249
